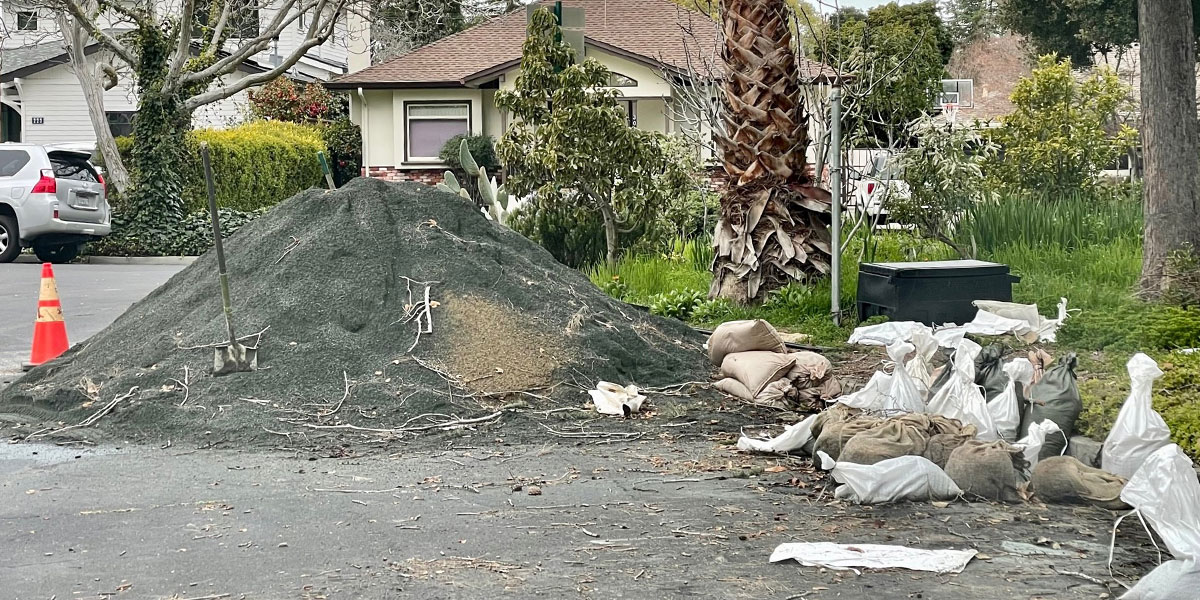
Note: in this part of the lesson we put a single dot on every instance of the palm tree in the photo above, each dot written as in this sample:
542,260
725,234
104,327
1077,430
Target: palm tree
773,222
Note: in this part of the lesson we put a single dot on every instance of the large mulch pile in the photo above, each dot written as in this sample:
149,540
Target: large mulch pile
325,274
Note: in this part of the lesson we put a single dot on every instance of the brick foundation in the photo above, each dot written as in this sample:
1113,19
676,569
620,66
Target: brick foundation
426,176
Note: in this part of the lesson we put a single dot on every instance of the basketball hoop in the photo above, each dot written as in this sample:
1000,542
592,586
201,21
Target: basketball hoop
950,110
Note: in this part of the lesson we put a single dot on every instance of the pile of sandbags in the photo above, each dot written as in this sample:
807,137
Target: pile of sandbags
756,366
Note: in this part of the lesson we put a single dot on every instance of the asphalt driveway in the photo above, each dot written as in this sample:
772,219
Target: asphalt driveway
92,297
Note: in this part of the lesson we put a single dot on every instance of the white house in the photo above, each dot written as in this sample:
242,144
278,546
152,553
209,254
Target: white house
42,102
408,107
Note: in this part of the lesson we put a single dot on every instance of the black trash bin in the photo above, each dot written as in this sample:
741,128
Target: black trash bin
932,292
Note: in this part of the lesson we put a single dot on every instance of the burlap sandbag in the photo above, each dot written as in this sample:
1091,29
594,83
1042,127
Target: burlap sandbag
835,435
941,445
734,388
808,386
743,336
1065,480
837,413
892,439
757,368
988,470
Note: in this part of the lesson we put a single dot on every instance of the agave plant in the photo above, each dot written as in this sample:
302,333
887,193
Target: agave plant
495,198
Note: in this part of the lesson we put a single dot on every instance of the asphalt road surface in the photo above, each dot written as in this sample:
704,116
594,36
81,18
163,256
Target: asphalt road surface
92,297
655,518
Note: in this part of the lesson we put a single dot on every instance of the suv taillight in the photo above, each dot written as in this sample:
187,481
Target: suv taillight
46,185
101,178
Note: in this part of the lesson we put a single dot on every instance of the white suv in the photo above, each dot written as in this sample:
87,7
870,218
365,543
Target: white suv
52,200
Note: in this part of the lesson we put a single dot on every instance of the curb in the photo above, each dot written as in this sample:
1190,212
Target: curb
119,260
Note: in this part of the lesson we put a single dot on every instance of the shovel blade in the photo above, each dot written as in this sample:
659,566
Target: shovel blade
235,358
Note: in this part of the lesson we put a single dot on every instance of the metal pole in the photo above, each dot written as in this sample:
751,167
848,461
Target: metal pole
835,177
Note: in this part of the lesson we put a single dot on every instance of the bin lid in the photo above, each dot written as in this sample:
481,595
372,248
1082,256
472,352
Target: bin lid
935,268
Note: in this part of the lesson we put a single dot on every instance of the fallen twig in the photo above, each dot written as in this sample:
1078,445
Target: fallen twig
287,250
453,423
338,406
93,419
1083,576
630,435
187,391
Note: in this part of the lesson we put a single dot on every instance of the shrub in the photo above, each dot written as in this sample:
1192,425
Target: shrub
192,238
282,100
255,165
343,140
677,304
483,150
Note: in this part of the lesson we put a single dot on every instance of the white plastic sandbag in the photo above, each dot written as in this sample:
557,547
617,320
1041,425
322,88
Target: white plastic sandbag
920,366
613,399
890,480
1138,431
960,398
886,334
903,394
871,397
1172,580
1036,438
1166,492
795,436
1004,408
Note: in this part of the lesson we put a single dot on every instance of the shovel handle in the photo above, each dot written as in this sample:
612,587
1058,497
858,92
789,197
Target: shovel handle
226,301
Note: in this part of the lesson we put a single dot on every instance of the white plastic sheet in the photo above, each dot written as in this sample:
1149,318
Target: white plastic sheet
960,398
1004,408
886,334
890,480
843,557
1022,320
613,399
1172,580
1035,438
1138,431
1166,492
795,436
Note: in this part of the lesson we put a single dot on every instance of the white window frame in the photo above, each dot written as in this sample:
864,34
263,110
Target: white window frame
408,105
37,19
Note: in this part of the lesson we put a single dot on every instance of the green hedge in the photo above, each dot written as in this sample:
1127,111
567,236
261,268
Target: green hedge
255,165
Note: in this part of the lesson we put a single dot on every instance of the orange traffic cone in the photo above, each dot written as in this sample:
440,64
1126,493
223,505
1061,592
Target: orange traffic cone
49,331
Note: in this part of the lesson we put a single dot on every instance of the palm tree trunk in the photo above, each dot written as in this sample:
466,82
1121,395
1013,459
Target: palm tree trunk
773,222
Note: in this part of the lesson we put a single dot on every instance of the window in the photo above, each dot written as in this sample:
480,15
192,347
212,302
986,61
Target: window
961,91
12,161
630,108
72,167
27,20
619,80
120,122
428,126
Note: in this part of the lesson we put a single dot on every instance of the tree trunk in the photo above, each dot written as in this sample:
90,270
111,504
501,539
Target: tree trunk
1170,136
76,40
611,234
772,226
155,197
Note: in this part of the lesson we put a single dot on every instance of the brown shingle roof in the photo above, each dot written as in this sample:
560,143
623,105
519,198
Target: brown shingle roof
650,30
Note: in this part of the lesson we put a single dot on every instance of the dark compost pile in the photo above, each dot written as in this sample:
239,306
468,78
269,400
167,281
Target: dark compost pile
338,281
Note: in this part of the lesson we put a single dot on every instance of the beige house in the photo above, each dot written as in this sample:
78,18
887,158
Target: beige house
410,106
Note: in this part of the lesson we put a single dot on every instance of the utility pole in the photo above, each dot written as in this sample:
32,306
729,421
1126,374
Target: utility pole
835,181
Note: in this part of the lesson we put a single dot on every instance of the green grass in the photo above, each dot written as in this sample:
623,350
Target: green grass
1072,222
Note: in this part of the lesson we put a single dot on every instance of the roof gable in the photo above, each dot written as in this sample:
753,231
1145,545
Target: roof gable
648,31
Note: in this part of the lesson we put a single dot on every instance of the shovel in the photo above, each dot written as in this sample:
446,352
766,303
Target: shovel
234,358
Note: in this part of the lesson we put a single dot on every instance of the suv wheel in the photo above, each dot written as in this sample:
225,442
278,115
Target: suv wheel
10,239
56,253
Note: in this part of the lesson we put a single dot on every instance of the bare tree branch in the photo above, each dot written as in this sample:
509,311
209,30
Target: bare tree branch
284,16
322,26
185,38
